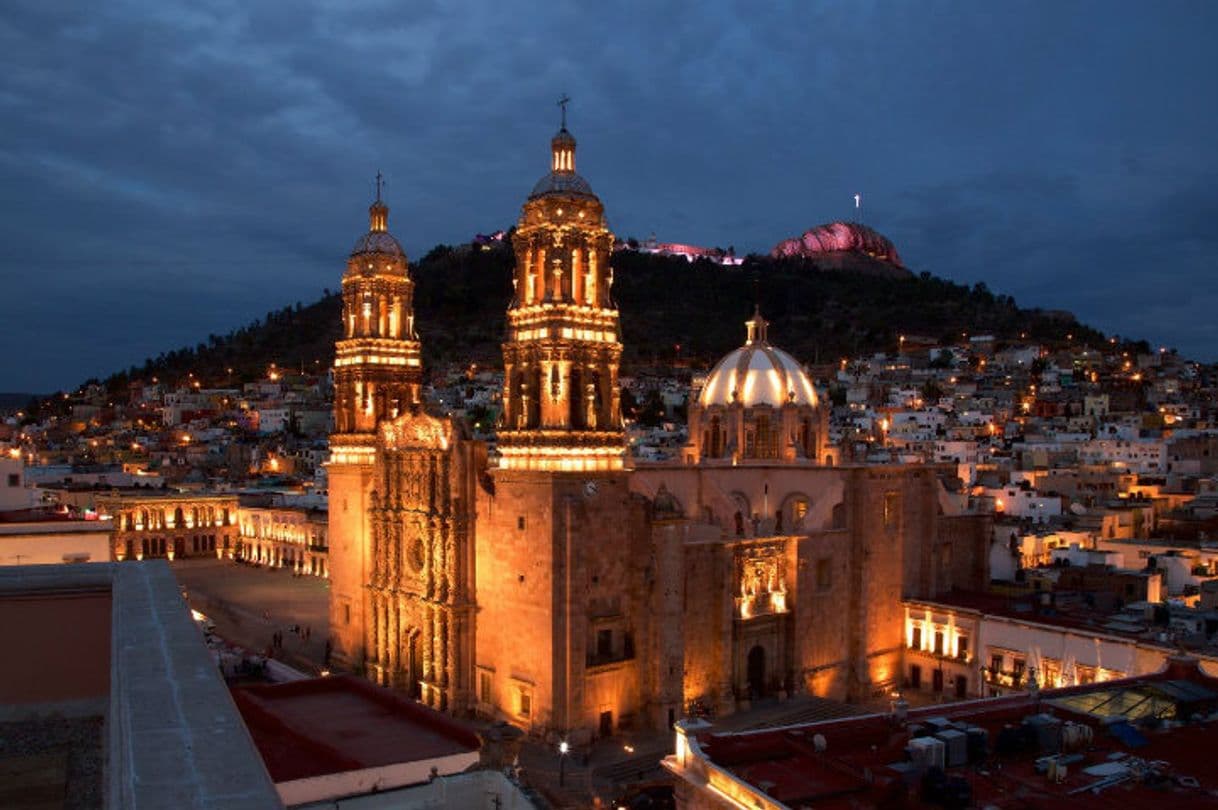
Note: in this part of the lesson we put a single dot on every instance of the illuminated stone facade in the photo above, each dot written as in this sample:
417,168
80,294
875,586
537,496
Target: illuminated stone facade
969,651
564,592
377,374
284,538
171,526
561,408
420,632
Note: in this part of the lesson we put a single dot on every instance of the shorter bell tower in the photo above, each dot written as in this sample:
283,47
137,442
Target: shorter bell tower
377,376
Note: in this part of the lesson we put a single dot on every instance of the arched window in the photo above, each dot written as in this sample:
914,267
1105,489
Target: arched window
839,516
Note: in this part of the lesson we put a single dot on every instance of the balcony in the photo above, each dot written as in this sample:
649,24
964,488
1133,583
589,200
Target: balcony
963,657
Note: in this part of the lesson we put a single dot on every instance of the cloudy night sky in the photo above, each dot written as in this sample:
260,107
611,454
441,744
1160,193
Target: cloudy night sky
173,170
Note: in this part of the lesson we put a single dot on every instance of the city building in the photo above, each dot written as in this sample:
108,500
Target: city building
549,582
1136,742
284,537
172,525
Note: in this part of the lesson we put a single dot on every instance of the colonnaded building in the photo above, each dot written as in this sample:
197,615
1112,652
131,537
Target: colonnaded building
565,590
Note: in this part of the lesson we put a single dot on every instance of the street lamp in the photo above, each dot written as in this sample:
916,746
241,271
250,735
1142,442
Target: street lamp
563,749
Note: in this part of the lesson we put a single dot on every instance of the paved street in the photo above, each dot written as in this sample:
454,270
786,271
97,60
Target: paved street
249,604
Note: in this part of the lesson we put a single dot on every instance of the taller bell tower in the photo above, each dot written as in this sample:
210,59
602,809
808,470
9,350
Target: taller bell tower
557,544
377,376
561,408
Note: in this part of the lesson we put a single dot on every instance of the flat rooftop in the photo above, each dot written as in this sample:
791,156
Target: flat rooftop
109,697
329,725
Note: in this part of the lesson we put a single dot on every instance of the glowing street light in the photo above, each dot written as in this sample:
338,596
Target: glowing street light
564,748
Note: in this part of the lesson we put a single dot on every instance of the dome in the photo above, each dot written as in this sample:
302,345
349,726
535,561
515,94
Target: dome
562,179
378,242
378,239
758,374
562,182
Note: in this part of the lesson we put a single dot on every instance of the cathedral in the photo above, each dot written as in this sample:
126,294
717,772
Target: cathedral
556,584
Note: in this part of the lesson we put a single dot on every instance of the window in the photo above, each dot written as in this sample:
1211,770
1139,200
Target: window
14,479
938,643
604,644
346,614
915,642
915,676
824,575
520,523
484,687
962,647
996,663
892,509
524,703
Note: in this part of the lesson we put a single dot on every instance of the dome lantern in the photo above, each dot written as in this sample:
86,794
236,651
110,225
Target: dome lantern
756,327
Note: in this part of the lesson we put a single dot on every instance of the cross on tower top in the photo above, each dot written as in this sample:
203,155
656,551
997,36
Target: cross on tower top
563,101
380,182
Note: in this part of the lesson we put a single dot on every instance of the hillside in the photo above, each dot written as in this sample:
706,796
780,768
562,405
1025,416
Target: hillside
817,313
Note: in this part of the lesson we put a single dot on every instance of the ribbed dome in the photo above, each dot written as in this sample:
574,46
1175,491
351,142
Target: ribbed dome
758,374
378,242
378,239
562,179
568,183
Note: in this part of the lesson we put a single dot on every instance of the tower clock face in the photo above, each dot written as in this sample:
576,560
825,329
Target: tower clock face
591,488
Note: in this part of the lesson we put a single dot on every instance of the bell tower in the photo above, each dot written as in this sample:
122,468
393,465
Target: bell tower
377,376
561,408
555,538
377,371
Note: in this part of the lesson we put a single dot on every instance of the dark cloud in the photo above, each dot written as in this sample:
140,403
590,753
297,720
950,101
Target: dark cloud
168,170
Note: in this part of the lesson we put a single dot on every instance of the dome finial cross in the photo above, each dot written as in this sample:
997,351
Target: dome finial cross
563,101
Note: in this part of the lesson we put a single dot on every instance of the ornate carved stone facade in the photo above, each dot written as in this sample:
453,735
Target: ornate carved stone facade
421,600
377,375
561,408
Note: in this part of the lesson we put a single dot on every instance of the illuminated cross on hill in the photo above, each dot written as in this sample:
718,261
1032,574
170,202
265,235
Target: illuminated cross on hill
380,182
563,102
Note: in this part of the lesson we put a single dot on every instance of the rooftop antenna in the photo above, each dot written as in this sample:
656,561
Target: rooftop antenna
563,101
380,182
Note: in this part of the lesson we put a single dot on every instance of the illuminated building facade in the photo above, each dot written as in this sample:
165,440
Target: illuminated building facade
419,635
171,526
377,374
977,646
284,538
561,408
564,592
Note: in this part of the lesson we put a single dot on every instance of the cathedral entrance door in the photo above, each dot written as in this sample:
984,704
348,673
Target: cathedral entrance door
757,671
414,667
